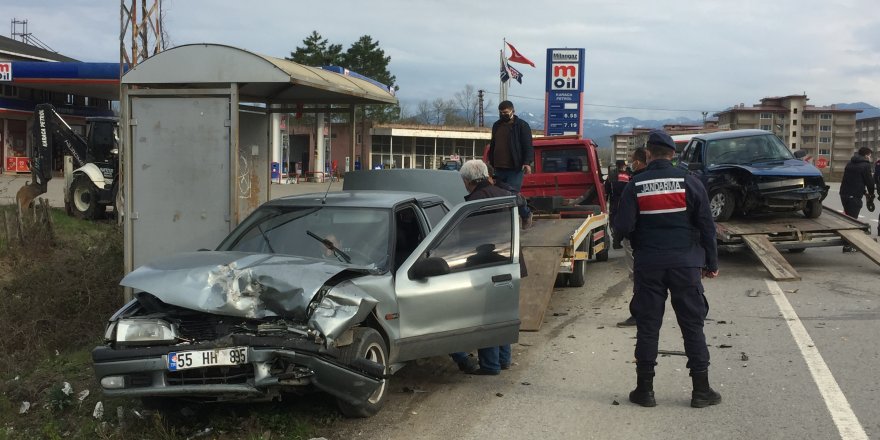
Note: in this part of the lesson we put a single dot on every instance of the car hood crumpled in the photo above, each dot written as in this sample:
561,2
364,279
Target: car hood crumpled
249,285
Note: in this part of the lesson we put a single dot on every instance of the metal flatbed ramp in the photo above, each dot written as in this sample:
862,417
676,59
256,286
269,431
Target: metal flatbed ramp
535,289
766,235
775,263
543,246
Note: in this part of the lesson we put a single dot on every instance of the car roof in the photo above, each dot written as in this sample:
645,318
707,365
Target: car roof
731,134
355,199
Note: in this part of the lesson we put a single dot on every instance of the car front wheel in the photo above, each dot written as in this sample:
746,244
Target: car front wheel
368,344
722,204
813,209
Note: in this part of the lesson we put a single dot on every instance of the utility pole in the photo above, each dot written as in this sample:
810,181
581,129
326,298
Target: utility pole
480,111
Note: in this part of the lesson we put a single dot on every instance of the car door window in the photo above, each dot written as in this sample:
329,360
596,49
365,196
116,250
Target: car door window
435,213
407,235
473,245
696,152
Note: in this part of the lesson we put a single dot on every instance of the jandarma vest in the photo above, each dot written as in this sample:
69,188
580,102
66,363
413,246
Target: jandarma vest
664,222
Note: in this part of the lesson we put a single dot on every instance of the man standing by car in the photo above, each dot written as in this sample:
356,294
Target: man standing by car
856,180
475,176
510,149
664,212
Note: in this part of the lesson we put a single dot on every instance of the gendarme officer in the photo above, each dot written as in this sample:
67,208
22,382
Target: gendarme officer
664,212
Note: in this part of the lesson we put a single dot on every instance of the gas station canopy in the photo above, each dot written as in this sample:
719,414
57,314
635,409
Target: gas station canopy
260,78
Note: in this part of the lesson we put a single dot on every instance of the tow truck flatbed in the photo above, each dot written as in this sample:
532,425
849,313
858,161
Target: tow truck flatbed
555,245
766,235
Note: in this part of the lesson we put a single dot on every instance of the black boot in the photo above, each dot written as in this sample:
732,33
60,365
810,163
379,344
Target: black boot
644,393
703,395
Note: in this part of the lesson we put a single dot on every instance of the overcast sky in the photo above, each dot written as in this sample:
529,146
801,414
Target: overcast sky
645,58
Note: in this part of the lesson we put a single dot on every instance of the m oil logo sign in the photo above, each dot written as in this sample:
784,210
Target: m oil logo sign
5,71
564,77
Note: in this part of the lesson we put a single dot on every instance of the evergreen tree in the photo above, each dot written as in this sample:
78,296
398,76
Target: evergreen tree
317,52
367,58
364,57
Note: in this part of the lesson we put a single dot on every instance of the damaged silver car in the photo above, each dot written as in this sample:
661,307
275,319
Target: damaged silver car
331,292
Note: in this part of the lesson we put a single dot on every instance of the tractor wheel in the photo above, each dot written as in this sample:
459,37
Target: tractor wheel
84,198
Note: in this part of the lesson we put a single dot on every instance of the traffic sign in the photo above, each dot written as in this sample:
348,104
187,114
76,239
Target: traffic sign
821,162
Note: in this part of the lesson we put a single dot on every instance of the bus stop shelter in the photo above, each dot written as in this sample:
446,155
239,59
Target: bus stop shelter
196,138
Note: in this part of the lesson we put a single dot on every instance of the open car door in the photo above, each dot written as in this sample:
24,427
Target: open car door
459,290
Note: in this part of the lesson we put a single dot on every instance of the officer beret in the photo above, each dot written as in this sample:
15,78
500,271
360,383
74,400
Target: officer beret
659,137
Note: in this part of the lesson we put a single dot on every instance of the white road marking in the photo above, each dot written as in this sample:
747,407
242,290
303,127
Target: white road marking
844,418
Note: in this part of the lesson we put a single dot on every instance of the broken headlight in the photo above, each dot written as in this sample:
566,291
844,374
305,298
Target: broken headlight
144,331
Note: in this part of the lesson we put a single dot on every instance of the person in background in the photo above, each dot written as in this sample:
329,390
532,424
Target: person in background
638,160
855,184
619,181
510,148
664,213
877,187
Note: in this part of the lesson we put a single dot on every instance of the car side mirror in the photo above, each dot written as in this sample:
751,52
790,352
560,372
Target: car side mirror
695,166
428,267
799,154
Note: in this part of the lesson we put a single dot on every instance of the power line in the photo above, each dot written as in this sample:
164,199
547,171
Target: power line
670,109
620,106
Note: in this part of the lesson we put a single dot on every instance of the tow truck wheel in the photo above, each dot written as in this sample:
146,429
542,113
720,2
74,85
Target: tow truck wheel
722,204
84,198
368,344
813,209
578,275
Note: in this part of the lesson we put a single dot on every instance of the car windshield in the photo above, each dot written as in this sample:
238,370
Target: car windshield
745,150
360,233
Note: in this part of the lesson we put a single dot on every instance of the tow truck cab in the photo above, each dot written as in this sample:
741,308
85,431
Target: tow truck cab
566,176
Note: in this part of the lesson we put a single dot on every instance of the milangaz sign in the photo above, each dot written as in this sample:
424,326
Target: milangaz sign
6,72
564,90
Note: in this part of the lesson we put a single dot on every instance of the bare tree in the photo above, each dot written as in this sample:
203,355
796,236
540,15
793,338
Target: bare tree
468,104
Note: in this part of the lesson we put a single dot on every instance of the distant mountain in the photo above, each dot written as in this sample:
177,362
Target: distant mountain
868,110
600,131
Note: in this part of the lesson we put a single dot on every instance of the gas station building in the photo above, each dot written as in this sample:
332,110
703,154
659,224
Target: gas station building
30,75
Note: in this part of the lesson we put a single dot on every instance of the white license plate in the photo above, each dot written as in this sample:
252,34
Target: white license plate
183,360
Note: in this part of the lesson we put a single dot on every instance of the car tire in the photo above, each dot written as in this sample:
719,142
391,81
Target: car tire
84,198
721,204
368,344
813,209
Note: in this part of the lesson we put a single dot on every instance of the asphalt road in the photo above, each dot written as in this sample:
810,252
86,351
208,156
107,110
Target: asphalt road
793,360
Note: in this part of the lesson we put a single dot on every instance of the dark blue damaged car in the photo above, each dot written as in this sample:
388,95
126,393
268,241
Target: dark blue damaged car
752,171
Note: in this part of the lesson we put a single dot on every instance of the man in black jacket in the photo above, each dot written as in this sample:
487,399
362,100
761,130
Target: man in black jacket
664,213
856,183
510,149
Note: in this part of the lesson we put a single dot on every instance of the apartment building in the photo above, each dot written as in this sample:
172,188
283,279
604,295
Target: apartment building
623,144
868,134
826,133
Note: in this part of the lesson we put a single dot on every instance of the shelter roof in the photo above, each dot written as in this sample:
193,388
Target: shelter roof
260,78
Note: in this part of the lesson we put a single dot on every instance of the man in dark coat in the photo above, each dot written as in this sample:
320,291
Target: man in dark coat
510,149
664,213
856,183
